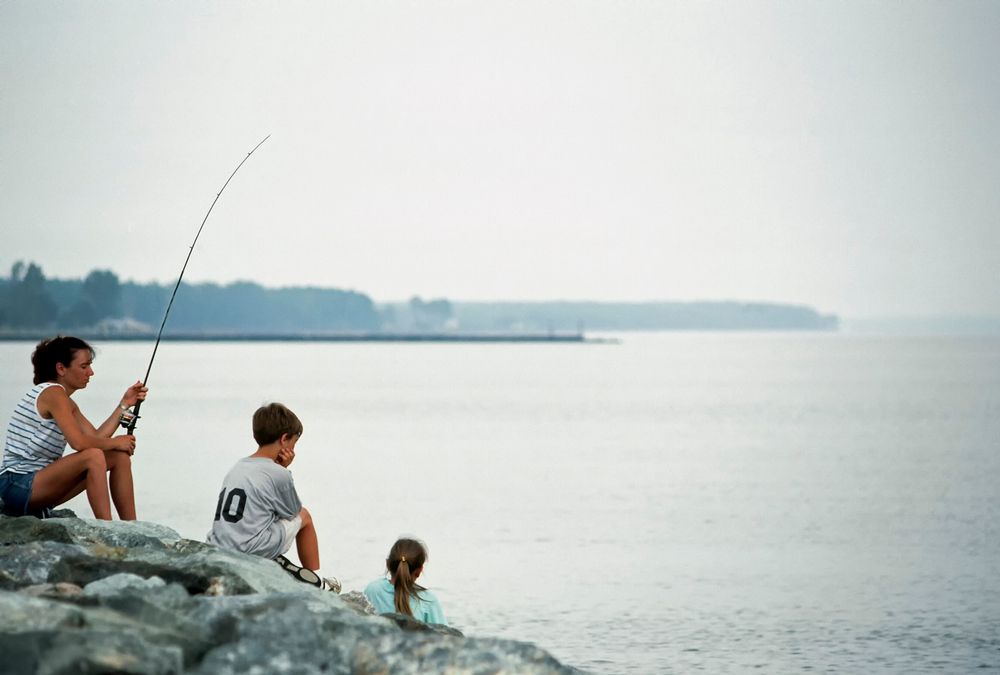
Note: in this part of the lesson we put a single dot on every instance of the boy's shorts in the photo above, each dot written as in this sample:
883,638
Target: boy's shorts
292,528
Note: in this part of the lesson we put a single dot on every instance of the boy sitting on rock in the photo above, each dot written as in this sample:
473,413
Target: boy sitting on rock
259,511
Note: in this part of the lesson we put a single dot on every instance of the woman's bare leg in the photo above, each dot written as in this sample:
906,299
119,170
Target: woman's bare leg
72,493
120,480
61,477
306,543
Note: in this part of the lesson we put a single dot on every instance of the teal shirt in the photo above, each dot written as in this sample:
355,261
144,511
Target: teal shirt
425,606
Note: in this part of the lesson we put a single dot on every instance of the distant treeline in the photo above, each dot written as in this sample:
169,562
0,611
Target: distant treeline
29,302
568,316
612,316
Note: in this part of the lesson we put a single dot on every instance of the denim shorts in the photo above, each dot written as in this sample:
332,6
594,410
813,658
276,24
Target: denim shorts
15,491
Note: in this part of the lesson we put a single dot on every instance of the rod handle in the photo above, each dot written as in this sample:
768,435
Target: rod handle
131,425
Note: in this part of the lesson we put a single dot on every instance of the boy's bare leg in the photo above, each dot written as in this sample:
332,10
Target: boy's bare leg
61,478
120,480
306,543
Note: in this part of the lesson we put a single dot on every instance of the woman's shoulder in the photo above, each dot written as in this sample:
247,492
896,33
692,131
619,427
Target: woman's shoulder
49,393
48,389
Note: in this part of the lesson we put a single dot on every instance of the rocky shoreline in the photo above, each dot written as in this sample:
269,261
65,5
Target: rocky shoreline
80,596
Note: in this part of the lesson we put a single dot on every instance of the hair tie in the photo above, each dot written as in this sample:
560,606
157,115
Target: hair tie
402,558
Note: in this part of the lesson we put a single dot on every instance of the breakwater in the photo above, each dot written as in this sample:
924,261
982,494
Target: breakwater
84,596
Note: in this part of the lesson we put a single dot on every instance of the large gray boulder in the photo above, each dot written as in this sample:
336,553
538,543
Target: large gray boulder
43,636
32,563
79,551
283,634
82,652
83,596
111,533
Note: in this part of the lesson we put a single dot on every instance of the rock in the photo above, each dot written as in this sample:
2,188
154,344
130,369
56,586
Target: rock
100,597
27,529
412,625
279,634
9,583
159,613
155,614
84,651
197,579
359,602
111,533
19,612
60,591
276,633
143,549
32,563
246,573
113,585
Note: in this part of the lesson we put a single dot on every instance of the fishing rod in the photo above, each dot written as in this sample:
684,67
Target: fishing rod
130,417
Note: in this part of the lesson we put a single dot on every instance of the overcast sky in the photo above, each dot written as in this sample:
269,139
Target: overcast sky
844,155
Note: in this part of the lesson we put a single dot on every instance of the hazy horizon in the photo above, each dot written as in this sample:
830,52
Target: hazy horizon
895,323
845,157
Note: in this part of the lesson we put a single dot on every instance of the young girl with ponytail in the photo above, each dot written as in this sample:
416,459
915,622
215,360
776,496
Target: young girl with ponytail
400,593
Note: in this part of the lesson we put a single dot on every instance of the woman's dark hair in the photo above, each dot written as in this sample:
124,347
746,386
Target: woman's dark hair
405,557
51,351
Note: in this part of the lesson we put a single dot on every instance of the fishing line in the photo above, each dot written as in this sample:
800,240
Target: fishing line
129,418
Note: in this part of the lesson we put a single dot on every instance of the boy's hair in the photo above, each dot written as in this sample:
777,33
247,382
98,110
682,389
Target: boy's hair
51,351
272,421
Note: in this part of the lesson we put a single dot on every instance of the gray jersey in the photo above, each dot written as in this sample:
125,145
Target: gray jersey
256,494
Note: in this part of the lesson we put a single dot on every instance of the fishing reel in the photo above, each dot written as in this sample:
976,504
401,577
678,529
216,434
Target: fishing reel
127,419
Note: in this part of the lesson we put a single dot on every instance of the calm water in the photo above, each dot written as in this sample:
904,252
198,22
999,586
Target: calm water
726,503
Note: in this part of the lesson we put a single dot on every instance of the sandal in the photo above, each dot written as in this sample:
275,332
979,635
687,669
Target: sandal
307,576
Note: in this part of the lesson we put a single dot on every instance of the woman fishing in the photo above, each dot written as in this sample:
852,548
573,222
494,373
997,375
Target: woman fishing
35,475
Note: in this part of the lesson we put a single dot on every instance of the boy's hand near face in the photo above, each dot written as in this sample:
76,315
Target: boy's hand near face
285,456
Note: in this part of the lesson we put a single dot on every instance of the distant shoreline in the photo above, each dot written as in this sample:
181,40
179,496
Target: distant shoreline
312,337
102,305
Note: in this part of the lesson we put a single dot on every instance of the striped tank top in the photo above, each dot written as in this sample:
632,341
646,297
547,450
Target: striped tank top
32,441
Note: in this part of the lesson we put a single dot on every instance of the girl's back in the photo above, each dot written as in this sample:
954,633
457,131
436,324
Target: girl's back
424,606
400,594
